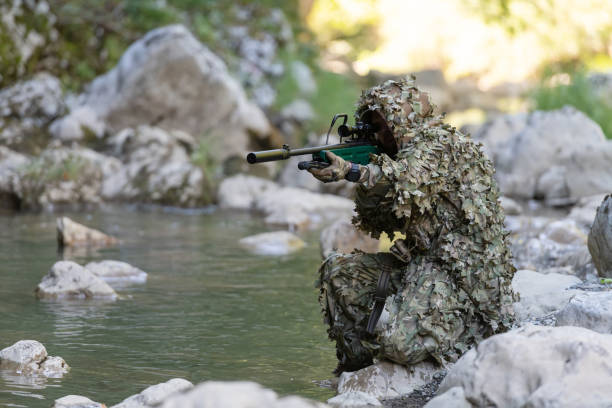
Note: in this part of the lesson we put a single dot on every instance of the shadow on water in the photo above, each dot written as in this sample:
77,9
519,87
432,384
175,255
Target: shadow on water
208,311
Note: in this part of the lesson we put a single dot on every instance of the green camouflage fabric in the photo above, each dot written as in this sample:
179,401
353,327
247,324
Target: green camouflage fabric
440,192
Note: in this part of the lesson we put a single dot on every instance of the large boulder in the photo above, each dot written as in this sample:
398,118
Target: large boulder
216,394
155,394
168,78
11,164
29,357
71,233
116,272
559,155
69,280
591,310
158,168
26,109
387,380
240,191
272,243
343,237
541,294
600,238
536,367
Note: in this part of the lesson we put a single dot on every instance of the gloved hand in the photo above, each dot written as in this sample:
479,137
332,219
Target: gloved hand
337,169
401,251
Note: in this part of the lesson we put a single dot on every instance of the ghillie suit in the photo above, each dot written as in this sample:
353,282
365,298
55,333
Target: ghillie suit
450,277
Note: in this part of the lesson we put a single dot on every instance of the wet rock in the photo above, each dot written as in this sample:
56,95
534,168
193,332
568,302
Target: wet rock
556,366
155,394
536,155
69,280
29,357
76,401
510,206
168,78
541,294
71,233
272,243
216,394
453,398
600,239
116,272
591,310
239,192
79,125
387,380
343,237
26,109
157,168
357,399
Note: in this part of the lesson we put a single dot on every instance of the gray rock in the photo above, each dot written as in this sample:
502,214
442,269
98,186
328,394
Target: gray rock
71,233
68,279
116,271
600,239
453,398
11,163
536,155
387,380
343,237
541,294
585,210
76,401
81,123
27,108
591,310
355,399
565,232
29,357
170,79
272,243
240,191
511,207
216,394
157,168
556,367
155,394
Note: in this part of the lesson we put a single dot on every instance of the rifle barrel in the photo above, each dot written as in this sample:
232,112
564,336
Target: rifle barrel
284,154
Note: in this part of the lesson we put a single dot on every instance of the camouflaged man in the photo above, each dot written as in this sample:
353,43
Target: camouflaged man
446,286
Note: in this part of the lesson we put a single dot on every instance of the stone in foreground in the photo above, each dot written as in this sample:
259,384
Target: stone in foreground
541,294
71,233
67,279
155,394
76,401
536,367
29,357
354,399
272,243
387,380
600,239
116,272
216,394
591,310
453,398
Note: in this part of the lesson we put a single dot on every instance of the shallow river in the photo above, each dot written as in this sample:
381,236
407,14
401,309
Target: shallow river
209,311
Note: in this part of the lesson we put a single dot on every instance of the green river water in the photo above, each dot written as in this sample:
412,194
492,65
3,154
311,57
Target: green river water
208,311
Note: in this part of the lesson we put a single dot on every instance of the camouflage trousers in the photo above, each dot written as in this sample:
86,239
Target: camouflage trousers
426,315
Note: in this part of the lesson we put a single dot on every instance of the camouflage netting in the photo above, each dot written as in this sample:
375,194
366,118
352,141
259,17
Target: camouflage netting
439,191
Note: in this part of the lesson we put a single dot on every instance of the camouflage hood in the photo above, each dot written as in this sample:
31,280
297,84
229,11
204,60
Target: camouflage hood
400,104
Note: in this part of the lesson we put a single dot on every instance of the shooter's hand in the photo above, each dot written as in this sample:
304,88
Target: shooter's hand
337,169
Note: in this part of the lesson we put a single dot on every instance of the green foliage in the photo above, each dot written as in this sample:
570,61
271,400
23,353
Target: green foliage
335,94
46,172
577,92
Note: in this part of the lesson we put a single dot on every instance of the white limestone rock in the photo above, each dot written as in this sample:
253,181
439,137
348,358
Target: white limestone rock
155,394
387,380
76,401
116,272
69,280
79,124
536,367
273,243
354,399
591,310
453,398
541,294
71,233
240,191
29,357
